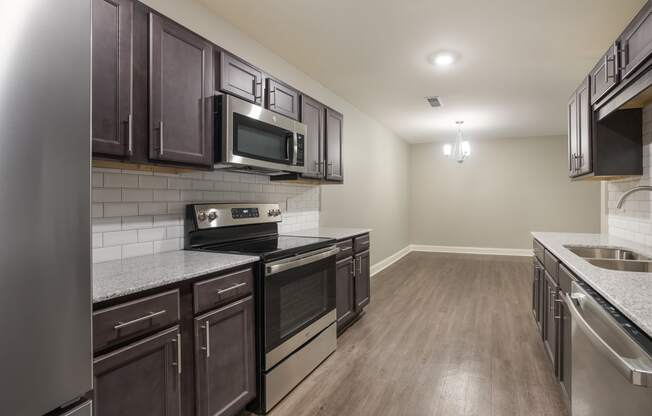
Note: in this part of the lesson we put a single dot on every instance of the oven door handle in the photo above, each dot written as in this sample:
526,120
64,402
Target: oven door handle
634,372
298,261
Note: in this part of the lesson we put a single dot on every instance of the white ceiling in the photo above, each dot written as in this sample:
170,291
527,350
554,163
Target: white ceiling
520,59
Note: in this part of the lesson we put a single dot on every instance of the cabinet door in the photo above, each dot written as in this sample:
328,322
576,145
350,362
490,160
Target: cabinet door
362,280
312,115
181,92
112,77
334,129
584,161
605,75
225,359
282,99
345,298
536,275
636,40
141,379
573,151
240,79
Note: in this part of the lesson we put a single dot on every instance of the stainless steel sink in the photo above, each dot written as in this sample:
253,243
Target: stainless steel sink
622,265
611,253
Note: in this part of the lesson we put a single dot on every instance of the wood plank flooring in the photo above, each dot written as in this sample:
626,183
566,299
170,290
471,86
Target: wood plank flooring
444,335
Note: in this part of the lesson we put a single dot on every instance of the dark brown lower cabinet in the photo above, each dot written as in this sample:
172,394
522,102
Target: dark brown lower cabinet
225,359
537,271
552,319
362,279
141,379
345,297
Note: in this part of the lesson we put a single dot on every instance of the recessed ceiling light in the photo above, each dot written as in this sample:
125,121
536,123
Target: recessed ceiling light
443,58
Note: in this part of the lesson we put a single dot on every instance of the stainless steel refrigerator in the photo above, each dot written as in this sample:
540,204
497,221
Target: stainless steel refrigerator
45,266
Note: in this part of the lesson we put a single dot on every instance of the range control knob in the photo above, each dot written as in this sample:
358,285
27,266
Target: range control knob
201,215
274,212
212,215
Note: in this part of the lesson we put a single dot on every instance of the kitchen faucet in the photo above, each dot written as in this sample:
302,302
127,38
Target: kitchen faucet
631,191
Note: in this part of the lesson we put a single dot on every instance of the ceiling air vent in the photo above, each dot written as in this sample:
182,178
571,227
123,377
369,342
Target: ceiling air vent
434,101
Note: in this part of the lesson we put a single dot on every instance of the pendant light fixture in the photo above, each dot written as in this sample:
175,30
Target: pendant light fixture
461,149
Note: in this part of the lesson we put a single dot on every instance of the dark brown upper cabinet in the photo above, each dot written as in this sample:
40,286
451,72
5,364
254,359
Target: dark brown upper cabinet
334,133
636,41
225,359
312,115
181,95
282,99
112,118
606,74
142,378
238,78
579,131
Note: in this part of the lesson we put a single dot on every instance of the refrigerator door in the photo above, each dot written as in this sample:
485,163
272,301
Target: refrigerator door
45,270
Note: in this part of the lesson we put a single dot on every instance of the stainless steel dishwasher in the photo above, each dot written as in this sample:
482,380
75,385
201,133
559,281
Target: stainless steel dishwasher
611,359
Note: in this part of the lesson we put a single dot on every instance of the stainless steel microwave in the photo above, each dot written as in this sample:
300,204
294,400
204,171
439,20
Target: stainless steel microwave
251,138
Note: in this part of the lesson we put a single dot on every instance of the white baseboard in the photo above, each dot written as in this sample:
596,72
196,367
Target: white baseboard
388,261
473,250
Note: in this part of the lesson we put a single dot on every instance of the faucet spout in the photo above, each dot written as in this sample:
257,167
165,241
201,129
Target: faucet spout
631,191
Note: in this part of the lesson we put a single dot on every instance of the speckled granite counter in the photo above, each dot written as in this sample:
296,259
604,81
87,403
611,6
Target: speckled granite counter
330,232
629,292
123,277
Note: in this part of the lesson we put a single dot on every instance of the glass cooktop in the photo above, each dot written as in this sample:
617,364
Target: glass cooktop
273,246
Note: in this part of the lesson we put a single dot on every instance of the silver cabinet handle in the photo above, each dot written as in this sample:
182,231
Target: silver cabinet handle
628,367
329,166
130,134
359,265
352,267
160,137
177,341
607,61
298,261
206,327
149,316
230,288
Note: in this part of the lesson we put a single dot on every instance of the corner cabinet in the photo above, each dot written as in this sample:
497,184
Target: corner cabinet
334,133
140,379
112,118
579,131
181,95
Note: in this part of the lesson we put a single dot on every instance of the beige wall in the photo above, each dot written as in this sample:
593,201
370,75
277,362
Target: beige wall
508,188
375,160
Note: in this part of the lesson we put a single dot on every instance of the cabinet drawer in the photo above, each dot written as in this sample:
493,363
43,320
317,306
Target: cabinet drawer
133,319
566,279
538,250
361,243
346,249
552,265
222,289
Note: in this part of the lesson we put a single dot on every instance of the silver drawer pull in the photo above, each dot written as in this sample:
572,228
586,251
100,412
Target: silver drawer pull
230,288
207,327
150,315
177,342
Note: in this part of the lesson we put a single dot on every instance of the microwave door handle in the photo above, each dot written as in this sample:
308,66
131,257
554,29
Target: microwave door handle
287,147
295,148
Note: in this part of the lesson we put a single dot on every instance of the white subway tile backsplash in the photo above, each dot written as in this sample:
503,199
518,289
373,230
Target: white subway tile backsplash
138,213
139,249
120,180
118,238
153,182
634,220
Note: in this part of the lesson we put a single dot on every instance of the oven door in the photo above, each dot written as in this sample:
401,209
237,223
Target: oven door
255,136
299,301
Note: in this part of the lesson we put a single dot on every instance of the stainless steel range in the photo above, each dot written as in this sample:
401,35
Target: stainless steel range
294,290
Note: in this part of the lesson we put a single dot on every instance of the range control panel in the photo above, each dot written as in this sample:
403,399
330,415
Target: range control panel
226,215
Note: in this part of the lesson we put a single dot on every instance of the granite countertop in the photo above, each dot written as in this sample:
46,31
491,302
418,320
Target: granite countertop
629,292
337,233
117,278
